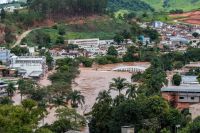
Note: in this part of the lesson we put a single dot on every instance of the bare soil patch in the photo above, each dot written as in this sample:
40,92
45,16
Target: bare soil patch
188,17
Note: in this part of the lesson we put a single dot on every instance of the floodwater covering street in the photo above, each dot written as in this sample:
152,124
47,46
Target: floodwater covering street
90,82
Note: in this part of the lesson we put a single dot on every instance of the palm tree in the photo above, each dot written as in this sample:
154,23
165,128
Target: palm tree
104,96
25,86
118,85
21,87
131,92
76,98
10,90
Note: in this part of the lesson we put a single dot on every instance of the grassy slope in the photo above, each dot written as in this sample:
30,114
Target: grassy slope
156,4
103,29
186,5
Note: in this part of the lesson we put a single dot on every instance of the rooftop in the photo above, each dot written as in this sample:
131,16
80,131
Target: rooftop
189,80
182,88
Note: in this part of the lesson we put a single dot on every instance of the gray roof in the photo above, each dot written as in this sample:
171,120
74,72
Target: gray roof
182,88
189,80
36,74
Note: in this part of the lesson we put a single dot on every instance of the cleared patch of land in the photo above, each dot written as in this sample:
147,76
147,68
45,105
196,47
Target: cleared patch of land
188,17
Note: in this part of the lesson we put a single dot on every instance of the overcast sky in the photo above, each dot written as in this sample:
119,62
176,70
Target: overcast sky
3,1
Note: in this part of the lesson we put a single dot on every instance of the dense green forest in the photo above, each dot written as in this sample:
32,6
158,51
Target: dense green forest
52,8
134,5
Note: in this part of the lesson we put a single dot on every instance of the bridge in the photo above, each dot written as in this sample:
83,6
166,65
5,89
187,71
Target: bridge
133,69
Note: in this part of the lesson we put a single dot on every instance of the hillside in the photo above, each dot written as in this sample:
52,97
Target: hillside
133,5
102,27
186,5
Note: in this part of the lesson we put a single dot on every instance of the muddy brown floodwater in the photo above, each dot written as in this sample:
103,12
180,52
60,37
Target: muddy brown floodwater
91,81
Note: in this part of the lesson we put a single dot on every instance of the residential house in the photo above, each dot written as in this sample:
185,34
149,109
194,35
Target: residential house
182,96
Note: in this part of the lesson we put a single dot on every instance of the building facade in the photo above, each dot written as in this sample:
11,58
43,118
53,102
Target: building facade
91,45
182,96
4,55
29,66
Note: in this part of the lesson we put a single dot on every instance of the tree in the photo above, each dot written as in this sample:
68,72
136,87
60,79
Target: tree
10,90
19,51
60,40
126,34
136,77
118,84
112,51
5,100
87,62
194,127
16,119
49,60
29,104
178,65
43,130
195,34
176,80
71,115
61,30
3,14
130,54
76,98
118,38
25,86
60,126
104,96
131,92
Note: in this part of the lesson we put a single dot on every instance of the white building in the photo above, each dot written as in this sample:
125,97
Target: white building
29,66
91,45
4,55
106,42
134,69
88,42
158,24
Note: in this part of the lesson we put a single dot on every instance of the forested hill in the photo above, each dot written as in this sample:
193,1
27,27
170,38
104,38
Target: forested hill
186,5
133,5
55,8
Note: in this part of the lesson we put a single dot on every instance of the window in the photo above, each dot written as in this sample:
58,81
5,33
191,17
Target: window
192,98
181,97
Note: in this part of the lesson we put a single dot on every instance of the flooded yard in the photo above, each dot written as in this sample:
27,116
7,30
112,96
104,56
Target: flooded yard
91,81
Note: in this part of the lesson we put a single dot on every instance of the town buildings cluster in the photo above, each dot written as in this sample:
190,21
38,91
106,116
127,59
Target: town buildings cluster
176,35
89,48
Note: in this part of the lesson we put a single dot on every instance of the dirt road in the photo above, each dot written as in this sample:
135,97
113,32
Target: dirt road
22,36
